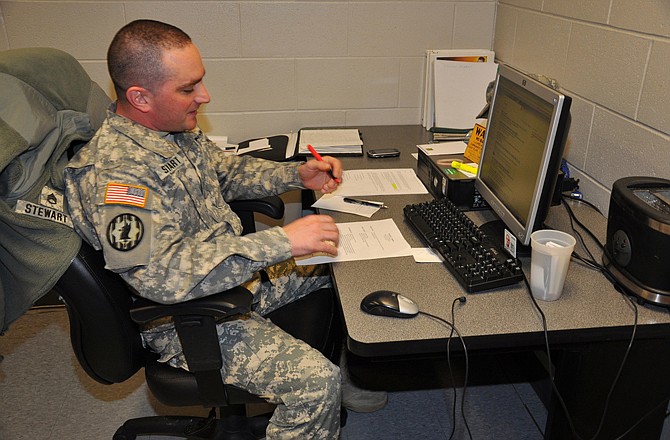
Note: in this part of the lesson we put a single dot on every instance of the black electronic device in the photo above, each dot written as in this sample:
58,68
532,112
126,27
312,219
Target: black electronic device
523,147
637,248
388,303
379,153
437,174
473,258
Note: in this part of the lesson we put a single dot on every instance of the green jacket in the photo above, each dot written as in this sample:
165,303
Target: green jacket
48,104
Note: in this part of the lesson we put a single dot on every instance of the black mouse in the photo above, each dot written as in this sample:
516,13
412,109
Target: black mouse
387,303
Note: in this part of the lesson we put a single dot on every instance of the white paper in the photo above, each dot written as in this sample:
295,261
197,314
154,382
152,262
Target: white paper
438,148
337,140
460,92
426,255
365,240
380,182
428,118
468,173
222,143
257,145
337,203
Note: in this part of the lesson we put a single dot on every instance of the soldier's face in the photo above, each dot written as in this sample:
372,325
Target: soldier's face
175,102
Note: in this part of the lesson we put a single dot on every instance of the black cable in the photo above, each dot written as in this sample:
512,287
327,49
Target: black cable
606,273
549,364
461,300
663,402
588,231
467,364
618,374
573,219
451,375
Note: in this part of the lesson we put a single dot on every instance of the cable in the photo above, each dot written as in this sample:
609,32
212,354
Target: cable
618,374
573,219
606,273
451,374
462,300
662,403
467,364
551,376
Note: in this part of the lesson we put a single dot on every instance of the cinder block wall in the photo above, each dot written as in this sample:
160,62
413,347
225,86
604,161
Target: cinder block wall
613,58
276,66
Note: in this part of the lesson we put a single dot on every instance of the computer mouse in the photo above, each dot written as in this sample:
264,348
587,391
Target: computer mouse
388,303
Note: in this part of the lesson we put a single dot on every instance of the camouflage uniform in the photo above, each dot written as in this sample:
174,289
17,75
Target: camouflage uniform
155,204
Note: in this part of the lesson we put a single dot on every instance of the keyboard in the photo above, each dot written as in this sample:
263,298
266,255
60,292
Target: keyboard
471,256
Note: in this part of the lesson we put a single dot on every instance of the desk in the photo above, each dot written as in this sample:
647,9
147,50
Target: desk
589,327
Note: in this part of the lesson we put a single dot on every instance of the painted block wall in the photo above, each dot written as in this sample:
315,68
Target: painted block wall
276,66
613,58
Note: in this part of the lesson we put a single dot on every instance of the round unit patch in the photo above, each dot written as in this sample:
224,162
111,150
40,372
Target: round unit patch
125,232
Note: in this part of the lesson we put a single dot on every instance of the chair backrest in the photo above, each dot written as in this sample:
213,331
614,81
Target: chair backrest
105,340
48,105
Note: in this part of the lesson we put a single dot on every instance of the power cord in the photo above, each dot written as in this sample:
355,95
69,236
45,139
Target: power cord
615,283
453,329
460,300
591,262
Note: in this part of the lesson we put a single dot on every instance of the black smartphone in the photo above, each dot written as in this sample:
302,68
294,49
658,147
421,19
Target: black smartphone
383,152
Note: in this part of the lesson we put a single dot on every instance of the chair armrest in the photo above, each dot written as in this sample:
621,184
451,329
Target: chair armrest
195,322
272,206
231,302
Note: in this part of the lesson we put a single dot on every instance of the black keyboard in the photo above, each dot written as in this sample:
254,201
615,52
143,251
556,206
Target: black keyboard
471,256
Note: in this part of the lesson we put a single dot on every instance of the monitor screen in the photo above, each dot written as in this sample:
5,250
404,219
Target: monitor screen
522,152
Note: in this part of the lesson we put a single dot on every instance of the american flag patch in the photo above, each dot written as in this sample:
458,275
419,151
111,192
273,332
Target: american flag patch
120,194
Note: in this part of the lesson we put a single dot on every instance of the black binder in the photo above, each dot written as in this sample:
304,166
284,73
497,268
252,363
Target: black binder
284,148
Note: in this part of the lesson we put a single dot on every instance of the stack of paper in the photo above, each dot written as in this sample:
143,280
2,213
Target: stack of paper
455,88
336,141
460,92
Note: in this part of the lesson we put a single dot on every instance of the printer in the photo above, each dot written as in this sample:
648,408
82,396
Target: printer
637,248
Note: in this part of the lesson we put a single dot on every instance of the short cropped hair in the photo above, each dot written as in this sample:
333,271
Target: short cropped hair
134,57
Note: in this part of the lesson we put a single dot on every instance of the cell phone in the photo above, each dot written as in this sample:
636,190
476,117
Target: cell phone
384,152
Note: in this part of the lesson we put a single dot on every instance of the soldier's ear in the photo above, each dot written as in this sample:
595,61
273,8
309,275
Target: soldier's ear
139,98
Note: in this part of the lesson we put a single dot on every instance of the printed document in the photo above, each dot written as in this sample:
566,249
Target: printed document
378,182
331,141
365,240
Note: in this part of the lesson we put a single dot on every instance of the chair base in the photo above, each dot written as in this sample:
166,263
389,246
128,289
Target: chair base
230,426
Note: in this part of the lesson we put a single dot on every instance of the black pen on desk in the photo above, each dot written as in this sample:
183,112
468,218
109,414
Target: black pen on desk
365,202
318,157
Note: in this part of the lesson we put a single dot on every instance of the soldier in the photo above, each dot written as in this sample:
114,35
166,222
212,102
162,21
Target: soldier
150,190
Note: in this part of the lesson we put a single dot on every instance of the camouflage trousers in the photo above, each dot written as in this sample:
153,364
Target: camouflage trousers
261,358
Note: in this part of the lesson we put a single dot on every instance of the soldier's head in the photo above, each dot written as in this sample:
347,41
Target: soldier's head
158,75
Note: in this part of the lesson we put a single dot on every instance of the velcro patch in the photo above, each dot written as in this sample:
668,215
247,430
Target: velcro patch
125,232
172,165
40,211
122,194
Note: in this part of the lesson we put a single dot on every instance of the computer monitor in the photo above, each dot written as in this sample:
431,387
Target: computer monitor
522,152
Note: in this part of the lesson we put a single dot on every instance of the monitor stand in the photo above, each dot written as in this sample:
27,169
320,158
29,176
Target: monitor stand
495,229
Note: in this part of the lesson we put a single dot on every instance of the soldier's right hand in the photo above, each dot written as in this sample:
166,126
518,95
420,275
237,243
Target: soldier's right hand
313,234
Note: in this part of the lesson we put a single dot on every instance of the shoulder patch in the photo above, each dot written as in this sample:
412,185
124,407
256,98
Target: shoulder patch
122,194
125,232
44,212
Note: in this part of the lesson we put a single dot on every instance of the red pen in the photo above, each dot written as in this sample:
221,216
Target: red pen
318,157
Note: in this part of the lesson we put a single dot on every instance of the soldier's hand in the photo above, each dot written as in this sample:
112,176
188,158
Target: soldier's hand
312,234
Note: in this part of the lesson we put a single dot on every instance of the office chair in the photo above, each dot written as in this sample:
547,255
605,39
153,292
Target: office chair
105,314
104,327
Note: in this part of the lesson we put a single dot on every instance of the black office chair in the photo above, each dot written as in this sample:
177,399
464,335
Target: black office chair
104,318
105,315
